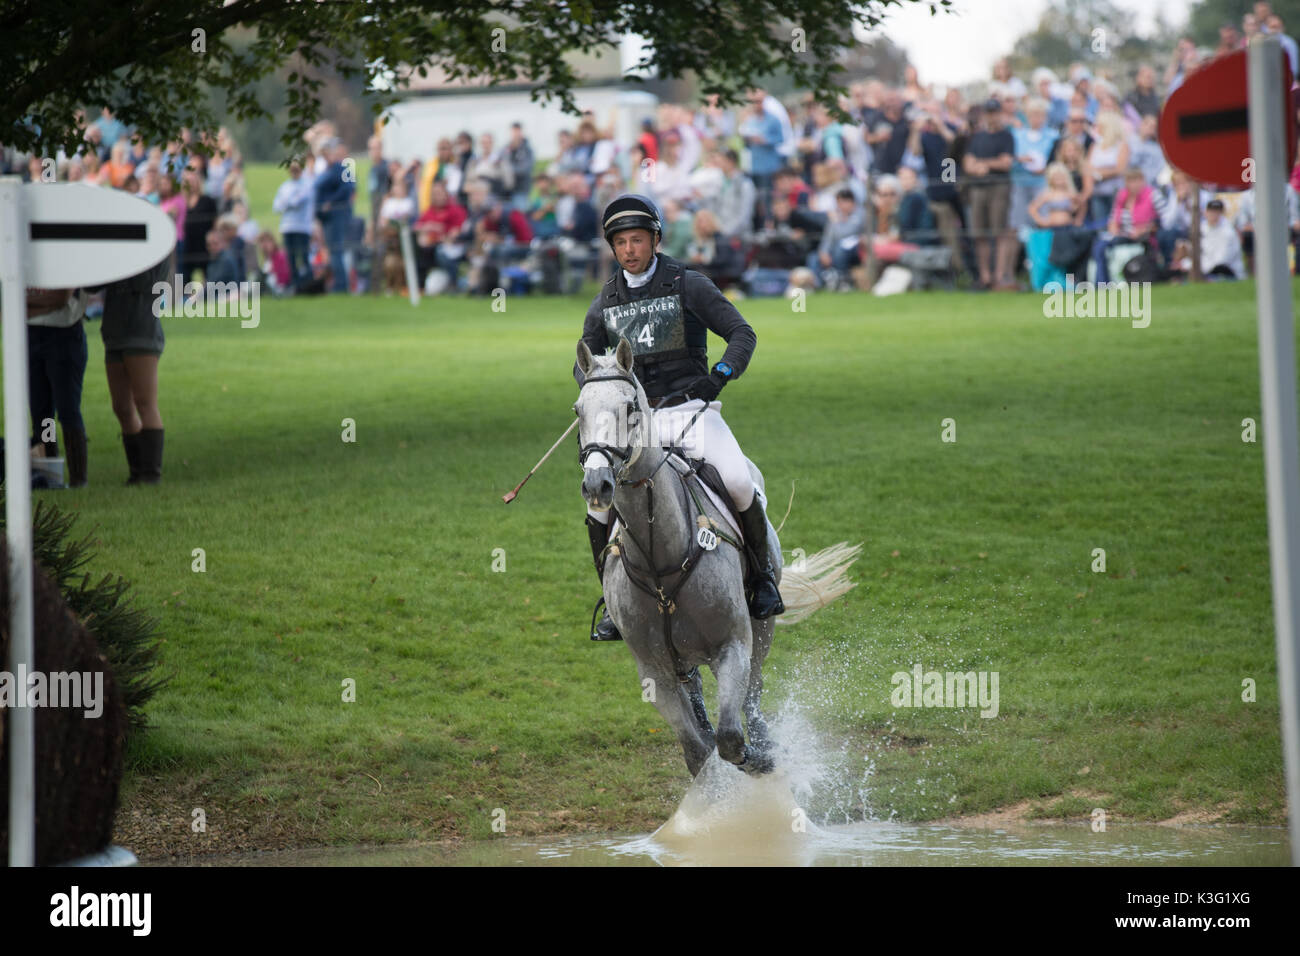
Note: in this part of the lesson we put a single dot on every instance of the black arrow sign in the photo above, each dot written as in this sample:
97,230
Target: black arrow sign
102,231
1215,121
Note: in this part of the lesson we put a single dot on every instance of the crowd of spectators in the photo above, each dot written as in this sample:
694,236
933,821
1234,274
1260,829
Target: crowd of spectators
1041,176
1030,179
201,187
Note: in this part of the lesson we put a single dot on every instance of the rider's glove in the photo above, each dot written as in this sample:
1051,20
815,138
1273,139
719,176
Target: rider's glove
708,386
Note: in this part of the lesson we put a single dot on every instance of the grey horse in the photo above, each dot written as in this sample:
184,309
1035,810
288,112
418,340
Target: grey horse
674,620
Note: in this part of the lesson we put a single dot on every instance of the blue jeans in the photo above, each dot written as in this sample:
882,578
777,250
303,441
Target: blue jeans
450,265
1099,208
842,260
1166,238
296,246
336,223
56,368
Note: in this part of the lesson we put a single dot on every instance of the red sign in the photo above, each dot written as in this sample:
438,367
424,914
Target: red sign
1205,129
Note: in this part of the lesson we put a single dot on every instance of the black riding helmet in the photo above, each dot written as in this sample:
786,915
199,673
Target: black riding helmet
632,211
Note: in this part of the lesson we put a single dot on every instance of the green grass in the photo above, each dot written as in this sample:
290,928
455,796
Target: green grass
478,690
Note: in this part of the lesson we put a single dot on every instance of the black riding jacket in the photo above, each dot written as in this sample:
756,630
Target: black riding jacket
667,321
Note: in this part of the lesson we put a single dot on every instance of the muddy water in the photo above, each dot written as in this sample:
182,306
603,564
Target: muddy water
729,819
807,813
865,844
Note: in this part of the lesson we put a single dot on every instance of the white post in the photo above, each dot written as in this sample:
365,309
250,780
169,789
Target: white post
20,720
1277,379
408,260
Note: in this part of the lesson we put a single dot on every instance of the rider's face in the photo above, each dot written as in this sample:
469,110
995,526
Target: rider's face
634,248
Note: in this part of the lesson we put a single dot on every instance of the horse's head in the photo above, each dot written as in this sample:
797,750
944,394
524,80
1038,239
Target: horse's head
614,421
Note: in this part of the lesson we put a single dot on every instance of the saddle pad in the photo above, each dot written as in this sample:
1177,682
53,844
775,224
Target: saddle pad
719,502
711,482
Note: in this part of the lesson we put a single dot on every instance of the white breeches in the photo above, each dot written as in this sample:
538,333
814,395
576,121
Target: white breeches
709,438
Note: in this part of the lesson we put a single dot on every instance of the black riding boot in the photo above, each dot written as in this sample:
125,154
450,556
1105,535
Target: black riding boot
599,536
764,597
150,444
131,445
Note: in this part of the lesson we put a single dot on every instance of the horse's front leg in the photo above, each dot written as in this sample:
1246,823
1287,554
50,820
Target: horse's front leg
731,667
759,738
673,700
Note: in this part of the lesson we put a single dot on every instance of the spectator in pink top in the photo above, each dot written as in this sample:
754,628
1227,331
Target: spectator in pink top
1134,218
172,202
275,264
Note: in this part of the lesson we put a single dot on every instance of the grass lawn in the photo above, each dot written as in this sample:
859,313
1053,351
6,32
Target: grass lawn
371,561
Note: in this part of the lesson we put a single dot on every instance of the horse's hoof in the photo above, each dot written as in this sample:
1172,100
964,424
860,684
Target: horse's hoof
757,762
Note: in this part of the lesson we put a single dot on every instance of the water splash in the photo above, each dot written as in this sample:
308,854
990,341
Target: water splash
728,817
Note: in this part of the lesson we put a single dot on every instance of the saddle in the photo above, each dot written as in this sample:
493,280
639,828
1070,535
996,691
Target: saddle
711,481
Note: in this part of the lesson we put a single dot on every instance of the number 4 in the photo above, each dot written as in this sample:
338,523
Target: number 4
646,337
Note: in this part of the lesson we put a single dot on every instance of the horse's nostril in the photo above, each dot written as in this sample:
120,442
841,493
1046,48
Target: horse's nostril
598,487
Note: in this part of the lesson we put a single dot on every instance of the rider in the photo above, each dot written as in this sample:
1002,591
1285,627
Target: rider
665,311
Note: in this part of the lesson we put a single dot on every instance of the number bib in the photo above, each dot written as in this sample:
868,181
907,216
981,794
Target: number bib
651,326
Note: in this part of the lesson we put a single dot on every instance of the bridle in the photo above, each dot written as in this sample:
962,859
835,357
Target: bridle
627,455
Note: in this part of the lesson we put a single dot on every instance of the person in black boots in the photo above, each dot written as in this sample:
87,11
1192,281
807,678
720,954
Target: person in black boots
666,311
133,342
56,370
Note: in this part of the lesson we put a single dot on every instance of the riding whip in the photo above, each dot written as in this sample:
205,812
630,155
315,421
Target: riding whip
509,497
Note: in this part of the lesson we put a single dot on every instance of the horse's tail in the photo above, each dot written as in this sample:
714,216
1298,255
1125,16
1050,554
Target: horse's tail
811,583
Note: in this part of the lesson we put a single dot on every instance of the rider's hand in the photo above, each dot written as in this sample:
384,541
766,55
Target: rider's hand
707,387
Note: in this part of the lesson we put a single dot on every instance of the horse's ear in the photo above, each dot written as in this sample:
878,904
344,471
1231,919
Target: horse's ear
623,354
584,358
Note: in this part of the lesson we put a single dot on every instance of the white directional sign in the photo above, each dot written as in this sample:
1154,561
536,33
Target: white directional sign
55,236
82,235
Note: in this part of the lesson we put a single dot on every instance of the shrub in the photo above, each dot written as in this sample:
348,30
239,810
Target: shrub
126,634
